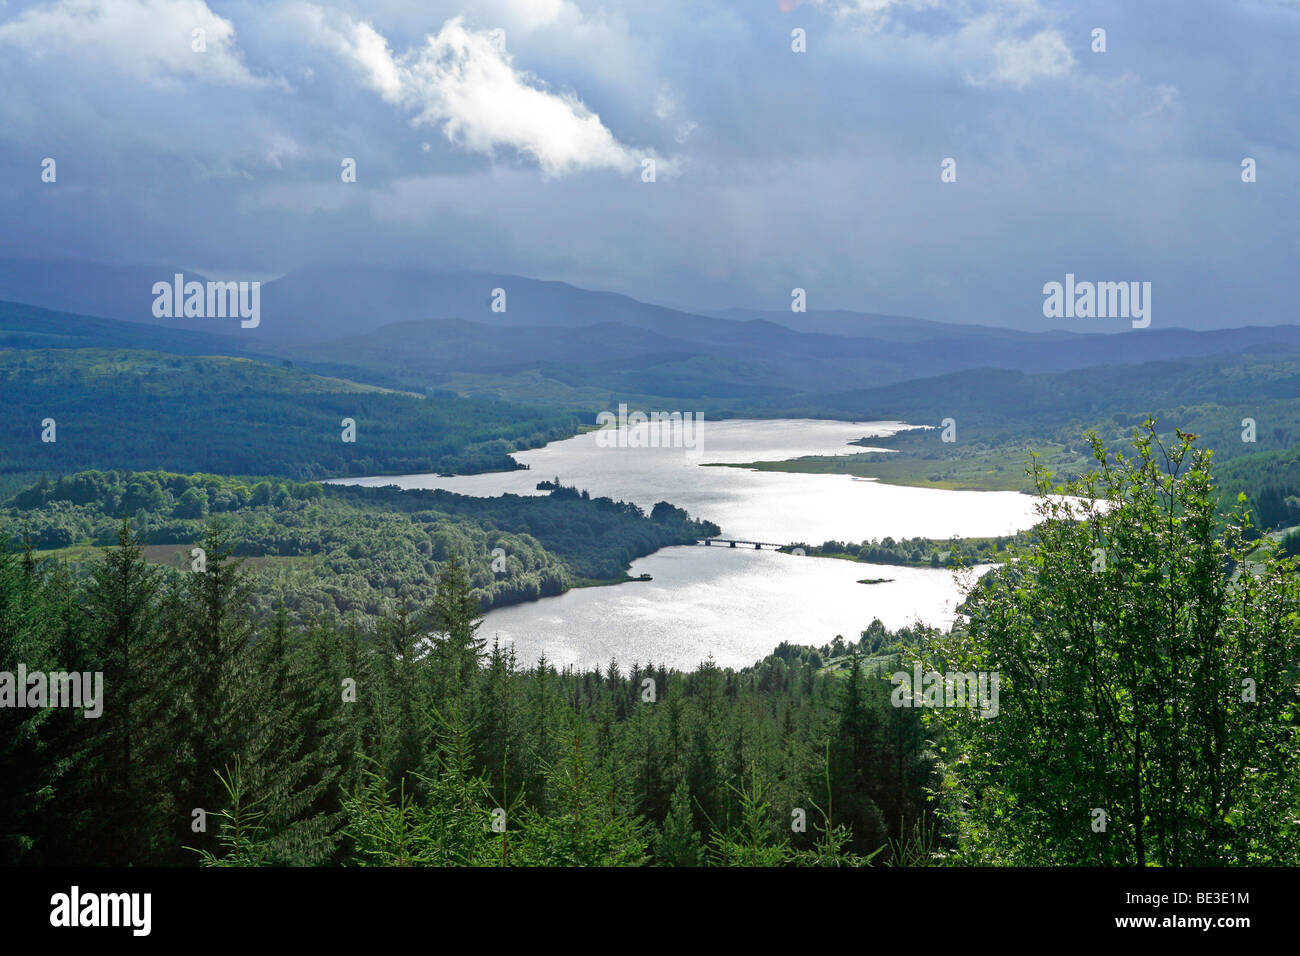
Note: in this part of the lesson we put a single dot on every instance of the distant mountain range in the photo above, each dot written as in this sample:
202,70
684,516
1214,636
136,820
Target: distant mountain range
561,344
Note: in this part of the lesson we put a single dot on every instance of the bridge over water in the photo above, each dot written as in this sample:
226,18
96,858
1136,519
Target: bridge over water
732,542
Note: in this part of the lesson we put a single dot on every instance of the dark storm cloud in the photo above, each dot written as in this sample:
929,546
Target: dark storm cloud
522,151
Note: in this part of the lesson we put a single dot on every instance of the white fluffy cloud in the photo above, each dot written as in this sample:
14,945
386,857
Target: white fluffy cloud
464,81
149,39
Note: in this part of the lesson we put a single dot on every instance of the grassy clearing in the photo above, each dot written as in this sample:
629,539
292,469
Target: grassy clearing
975,467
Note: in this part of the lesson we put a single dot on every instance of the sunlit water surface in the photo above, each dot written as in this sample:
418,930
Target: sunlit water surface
735,603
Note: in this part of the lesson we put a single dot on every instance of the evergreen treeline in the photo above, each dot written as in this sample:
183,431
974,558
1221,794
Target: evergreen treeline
408,741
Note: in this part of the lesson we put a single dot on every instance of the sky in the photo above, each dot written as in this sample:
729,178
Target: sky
515,136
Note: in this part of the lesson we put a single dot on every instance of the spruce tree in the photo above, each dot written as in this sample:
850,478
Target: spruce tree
402,665
590,825
31,769
678,844
749,839
217,627
455,620
290,765
856,768
130,753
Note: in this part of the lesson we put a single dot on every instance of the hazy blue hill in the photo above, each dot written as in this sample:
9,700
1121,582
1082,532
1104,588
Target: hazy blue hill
30,327
573,348
892,328
755,361
434,347
91,288
1143,345
329,302
1001,396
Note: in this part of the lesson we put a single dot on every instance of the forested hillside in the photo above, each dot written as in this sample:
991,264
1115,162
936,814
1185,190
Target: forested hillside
348,549
136,409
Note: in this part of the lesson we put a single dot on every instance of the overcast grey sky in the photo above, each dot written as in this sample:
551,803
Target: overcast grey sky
510,135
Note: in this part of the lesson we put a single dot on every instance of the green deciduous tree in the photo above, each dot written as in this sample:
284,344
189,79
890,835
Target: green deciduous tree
1146,661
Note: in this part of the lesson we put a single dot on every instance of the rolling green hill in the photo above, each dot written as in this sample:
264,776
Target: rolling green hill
134,409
